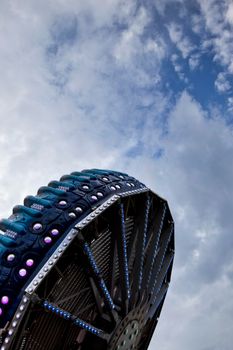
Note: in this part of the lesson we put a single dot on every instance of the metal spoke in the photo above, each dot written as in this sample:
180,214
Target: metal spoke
117,225
151,250
123,261
159,259
158,299
72,318
141,225
161,275
113,263
96,273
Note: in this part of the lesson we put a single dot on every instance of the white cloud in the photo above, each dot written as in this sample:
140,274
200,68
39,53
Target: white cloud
179,38
197,24
62,109
230,103
130,42
221,83
229,13
195,176
178,68
217,31
194,61
133,47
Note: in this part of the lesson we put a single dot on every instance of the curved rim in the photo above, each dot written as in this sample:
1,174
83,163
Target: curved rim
153,266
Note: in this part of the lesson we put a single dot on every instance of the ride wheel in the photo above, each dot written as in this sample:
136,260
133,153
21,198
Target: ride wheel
85,264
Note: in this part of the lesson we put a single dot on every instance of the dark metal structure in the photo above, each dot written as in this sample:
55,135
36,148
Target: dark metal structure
85,264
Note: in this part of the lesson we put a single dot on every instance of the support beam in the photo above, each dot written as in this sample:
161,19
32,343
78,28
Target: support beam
159,259
50,307
96,273
152,246
161,275
117,226
141,224
159,298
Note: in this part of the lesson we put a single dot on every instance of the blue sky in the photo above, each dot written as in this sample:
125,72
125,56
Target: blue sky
146,88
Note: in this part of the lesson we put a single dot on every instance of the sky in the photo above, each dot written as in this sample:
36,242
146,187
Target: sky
144,87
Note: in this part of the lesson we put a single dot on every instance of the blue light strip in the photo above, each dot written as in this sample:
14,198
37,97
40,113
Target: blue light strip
91,259
66,315
125,260
97,272
56,310
156,245
106,293
87,327
144,242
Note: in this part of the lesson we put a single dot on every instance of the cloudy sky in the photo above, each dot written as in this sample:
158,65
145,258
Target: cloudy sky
140,86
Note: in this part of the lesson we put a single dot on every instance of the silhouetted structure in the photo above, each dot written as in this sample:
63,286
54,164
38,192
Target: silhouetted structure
85,264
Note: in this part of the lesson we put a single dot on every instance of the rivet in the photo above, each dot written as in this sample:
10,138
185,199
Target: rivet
99,194
72,215
105,178
94,198
85,187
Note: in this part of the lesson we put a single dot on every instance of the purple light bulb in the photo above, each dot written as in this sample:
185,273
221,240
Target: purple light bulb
54,232
30,262
1,311
10,257
47,240
62,203
5,300
22,272
37,226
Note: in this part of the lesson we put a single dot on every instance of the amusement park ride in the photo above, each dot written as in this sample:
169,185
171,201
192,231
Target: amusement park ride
85,264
